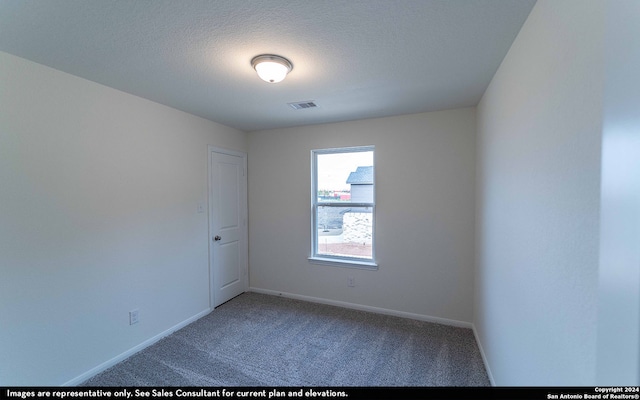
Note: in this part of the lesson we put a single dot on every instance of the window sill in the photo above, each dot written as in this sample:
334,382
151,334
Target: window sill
370,265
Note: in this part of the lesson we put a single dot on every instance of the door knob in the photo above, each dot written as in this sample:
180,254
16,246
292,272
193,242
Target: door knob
217,238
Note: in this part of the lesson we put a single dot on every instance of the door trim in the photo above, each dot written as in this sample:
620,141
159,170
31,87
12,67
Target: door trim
244,209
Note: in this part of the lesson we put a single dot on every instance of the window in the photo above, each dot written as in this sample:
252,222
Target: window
343,206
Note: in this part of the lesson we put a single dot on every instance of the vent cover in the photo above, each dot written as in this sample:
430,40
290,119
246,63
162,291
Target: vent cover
300,105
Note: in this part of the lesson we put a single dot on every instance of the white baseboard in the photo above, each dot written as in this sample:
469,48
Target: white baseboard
484,357
385,311
110,363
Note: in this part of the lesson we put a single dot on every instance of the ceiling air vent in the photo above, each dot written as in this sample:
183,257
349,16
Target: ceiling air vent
302,105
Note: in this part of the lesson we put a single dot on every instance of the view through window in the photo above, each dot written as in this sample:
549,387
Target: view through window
343,204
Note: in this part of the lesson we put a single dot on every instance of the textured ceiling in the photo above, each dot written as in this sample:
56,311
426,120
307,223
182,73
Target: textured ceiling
355,58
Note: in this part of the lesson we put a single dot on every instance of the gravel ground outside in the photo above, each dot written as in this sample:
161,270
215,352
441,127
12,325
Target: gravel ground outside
346,249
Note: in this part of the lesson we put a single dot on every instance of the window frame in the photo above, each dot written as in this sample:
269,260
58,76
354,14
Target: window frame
334,260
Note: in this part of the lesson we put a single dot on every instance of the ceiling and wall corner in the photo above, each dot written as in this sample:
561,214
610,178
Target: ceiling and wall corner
355,60
358,59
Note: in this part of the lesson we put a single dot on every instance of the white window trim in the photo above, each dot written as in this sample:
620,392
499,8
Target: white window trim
339,261
343,262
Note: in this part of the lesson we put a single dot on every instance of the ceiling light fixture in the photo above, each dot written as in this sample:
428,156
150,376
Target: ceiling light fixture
271,68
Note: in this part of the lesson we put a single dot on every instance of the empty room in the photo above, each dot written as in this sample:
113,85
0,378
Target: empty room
320,193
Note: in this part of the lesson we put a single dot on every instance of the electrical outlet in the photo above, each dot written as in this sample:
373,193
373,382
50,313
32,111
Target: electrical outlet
351,282
134,317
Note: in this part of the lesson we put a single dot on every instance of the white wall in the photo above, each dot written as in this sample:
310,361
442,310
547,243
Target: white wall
539,143
98,195
424,216
619,274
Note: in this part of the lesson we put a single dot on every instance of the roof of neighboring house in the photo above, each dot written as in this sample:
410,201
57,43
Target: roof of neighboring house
361,176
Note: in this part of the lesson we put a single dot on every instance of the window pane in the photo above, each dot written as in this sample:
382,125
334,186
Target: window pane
345,177
345,231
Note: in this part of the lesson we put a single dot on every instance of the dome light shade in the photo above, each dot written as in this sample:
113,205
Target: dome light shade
271,68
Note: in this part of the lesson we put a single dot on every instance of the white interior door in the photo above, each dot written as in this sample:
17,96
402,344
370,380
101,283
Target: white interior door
227,225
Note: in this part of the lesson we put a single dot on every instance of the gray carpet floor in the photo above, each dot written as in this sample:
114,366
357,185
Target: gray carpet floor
264,340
